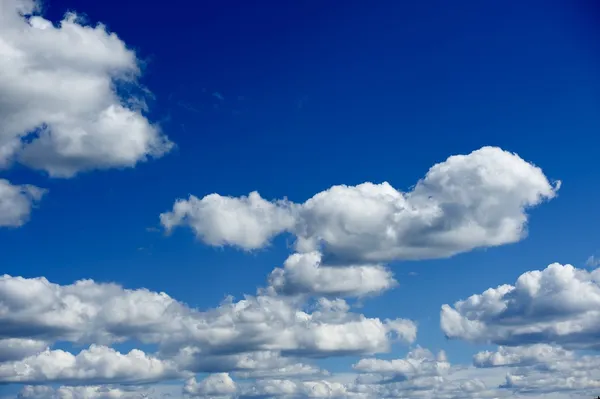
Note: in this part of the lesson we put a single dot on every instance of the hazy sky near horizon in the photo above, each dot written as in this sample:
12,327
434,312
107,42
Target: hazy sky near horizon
299,199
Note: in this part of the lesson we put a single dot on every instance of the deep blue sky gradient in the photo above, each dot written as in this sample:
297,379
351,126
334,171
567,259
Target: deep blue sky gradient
291,97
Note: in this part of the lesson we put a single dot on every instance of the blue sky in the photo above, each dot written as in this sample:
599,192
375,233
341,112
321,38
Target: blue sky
289,100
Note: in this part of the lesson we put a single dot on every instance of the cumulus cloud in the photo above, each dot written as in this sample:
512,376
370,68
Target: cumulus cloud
247,222
16,202
418,363
98,364
218,385
297,389
528,372
60,110
456,384
530,355
466,202
256,364
557,305
539,368
68,102
303,273
88,312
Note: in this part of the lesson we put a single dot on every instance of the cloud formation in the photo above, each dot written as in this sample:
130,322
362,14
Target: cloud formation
531,355
255,364
69,102
303,273
466,202
83,392
419,362
88,312
558,305
215,385
16,203
98,364
61,111
541,369
421,374
248,222
245,362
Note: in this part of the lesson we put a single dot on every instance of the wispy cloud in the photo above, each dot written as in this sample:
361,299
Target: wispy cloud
187,107
593,261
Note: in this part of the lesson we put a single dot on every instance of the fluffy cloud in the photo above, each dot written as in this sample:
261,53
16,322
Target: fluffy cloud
522,356
557,305
537,369
458,383
452,387
60,107
465,202
258,364
248,222
98,364
16,202
296,389
418,363
528,372
87,312
59,110
215,385
304,274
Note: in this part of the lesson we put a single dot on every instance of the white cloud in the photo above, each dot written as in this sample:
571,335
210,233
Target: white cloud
296,389
63,113
458,383
61,110
557,305
257,364
522,356
530,372
219,385
303,273
538,369
98,364
248,222
88,312
59,82
16,203
418,363
422,375
466,202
